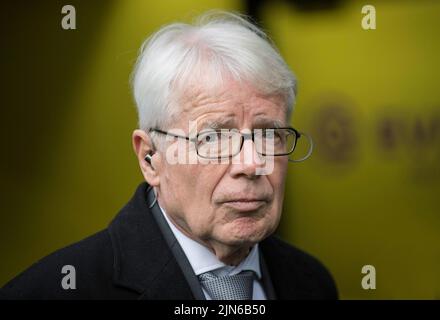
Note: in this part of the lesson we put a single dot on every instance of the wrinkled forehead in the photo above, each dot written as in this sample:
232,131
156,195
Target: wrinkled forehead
230,104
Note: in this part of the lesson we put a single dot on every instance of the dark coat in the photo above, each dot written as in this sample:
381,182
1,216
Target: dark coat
136,258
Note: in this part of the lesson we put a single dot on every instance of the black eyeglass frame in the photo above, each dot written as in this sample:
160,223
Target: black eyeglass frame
244,136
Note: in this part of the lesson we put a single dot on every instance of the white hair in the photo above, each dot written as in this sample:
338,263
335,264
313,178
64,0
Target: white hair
217,45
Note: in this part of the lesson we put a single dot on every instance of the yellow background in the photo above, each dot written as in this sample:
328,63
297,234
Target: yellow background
368,195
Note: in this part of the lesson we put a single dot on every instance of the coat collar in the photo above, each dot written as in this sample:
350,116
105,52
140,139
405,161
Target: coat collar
143,262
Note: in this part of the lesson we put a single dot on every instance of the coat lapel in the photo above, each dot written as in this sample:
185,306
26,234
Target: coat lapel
291,278
143,261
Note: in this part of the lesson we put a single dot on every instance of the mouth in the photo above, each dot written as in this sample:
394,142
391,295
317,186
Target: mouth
246,204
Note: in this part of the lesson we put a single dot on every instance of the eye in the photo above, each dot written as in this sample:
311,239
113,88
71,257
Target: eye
209,137
274,135
270,134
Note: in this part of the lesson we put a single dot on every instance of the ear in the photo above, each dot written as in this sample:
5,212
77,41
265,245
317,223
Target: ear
143,145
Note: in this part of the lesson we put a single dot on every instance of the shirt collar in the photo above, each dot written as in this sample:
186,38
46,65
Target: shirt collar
203,260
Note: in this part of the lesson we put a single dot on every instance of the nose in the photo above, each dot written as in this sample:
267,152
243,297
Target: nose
247,162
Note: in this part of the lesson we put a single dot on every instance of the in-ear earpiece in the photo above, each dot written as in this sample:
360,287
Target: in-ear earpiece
148,158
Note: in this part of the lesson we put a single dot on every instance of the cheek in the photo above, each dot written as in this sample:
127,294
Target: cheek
278,178
193,187
277,181
179,189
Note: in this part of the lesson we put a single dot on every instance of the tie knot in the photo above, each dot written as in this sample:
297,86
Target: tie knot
236,287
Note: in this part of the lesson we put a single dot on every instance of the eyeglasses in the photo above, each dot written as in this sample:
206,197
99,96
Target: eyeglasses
226,143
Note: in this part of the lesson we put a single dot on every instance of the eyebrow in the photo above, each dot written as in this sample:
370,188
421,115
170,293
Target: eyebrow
229,122
268,123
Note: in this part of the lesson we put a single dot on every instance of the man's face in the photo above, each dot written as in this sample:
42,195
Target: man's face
225,203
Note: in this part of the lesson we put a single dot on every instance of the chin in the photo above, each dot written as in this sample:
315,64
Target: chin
246,231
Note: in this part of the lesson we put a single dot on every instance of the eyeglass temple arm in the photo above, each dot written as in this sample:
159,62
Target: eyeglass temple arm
170,134
309,153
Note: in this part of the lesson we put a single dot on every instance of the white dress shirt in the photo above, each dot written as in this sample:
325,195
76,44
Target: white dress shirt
203,260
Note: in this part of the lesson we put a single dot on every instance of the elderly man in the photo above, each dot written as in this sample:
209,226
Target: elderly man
214,101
